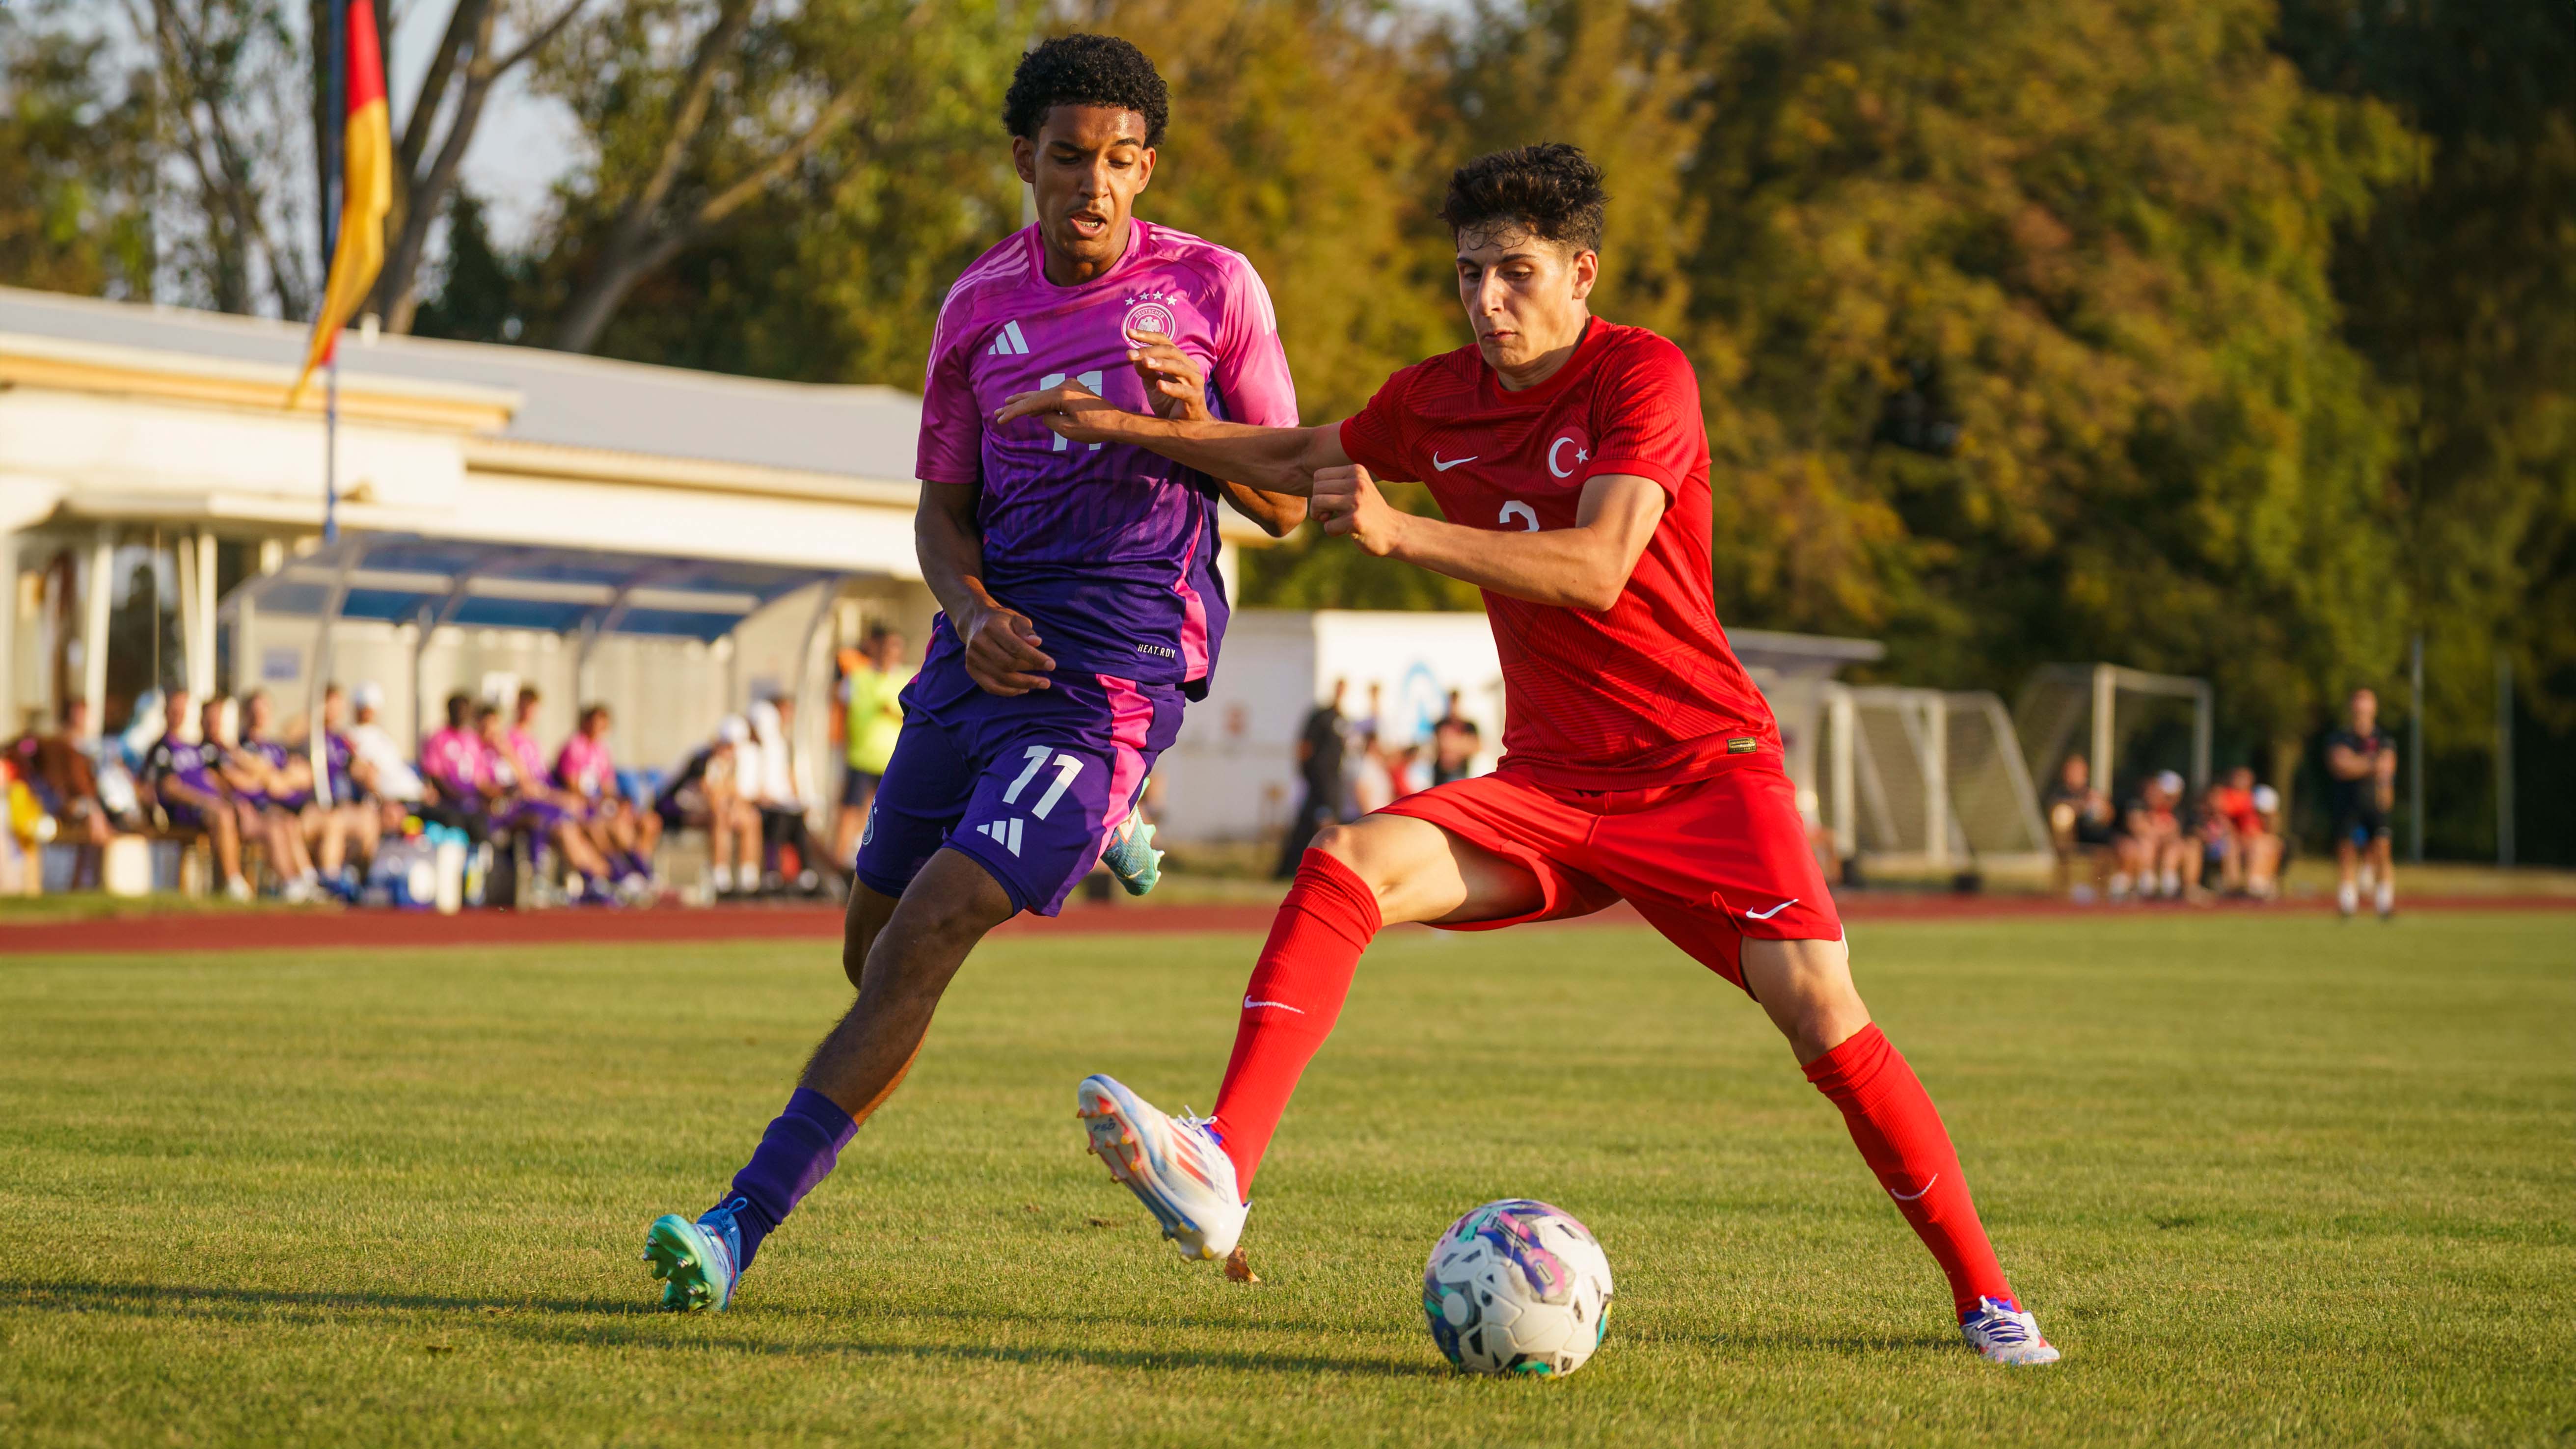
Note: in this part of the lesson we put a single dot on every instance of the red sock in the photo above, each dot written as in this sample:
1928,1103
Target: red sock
1291,1003
1900,1136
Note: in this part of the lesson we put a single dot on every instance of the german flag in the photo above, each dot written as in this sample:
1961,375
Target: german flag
366,191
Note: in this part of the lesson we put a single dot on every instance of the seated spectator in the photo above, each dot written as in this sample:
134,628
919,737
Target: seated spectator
453,768
2216,862
769,776
704,794
348,818
2151,849
180,785
378,764
2079,828
64,775
274,784
2254,855
621,833
527,806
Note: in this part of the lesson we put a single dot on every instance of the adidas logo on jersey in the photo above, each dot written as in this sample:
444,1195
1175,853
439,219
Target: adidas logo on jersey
1005,833
1008,342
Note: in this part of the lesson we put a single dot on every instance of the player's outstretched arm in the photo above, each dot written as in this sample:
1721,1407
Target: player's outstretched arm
1583,567
1273,460
1001,643
1176,387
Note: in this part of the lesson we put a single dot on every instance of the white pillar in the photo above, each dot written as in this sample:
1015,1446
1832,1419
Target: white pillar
1846,807
2104,694
201,647
11,706
94,615
1936,779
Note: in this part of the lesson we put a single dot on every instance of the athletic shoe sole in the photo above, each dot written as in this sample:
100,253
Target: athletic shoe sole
683,1258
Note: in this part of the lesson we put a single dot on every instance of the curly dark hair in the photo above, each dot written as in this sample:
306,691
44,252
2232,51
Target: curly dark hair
1085,70
1551,188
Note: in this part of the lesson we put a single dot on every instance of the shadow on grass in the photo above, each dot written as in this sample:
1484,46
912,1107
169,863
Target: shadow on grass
628,1324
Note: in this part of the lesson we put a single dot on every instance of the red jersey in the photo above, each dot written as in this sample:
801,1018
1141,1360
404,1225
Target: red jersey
1646,690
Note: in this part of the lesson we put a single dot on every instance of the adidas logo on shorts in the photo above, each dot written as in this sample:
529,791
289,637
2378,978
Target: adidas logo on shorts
1004,832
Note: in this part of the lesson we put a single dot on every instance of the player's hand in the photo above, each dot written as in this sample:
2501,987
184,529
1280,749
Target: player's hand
1071,411
1173,380
1002,653
1346,504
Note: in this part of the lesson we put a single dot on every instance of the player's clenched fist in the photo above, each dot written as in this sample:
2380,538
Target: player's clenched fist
1002,651
1347,504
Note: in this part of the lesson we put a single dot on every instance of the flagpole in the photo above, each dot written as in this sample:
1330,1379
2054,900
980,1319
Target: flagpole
333,182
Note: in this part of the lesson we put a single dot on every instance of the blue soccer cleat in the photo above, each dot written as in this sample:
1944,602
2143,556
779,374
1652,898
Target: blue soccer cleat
697,1261
2003,1333
1131,855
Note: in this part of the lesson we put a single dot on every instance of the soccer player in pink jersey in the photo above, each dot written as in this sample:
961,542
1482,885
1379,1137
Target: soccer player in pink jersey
1081,602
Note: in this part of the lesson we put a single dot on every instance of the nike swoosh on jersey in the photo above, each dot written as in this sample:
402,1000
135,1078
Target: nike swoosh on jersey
1452,463
1775,910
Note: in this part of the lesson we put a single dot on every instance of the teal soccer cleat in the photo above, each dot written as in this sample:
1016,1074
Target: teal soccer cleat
696,1261
1131,856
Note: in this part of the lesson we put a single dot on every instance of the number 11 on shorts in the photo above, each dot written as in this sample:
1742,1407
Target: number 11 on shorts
1066,767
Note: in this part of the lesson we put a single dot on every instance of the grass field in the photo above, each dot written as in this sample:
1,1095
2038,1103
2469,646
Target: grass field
2266,1181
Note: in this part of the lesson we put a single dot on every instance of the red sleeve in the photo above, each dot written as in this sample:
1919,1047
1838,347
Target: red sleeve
1647,419
1377,438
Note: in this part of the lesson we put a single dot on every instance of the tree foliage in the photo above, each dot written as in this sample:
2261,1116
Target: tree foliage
2218,338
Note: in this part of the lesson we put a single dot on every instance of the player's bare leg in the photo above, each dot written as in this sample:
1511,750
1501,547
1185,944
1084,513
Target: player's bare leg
900,955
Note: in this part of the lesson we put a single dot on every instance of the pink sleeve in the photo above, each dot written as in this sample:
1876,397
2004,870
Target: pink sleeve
952,424
1251,366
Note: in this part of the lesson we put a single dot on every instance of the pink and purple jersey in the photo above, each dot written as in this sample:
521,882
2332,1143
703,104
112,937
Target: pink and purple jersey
457,763
583,767
527,755
1110,549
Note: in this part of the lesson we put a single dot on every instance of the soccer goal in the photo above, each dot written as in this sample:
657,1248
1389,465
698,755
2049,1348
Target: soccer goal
1931,778
2127,723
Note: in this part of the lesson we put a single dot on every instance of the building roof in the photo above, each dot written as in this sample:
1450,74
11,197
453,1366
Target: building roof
563,398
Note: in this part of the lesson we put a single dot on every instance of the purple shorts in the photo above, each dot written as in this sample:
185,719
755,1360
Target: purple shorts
1029,785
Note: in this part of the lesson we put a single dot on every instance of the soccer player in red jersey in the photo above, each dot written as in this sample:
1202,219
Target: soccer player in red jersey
1641,763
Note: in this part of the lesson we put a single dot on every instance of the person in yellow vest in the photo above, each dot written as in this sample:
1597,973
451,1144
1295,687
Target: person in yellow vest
871,718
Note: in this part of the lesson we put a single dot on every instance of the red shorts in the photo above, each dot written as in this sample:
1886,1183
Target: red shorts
1707,863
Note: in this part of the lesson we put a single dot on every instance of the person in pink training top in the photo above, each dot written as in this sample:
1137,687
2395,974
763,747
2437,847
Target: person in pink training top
585,772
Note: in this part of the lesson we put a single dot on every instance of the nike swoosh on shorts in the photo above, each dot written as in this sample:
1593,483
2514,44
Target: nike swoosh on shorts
1775,910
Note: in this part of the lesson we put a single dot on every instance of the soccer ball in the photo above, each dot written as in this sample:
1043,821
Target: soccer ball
1517,1287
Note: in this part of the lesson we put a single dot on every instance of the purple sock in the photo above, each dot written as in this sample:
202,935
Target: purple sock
797,1151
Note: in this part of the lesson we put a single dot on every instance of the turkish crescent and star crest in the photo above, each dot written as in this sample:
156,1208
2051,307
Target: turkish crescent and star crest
1568,453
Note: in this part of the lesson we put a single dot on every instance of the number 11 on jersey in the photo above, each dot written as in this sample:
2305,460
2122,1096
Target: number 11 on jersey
1089,380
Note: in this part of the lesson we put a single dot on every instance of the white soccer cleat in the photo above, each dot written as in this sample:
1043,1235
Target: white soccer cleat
2002,1333
1174,1165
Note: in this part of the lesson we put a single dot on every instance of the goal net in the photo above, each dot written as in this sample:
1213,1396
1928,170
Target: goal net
2126,723
1926,777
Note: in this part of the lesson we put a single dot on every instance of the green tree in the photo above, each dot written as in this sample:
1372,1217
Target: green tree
2460,287
76,179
